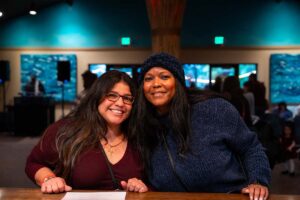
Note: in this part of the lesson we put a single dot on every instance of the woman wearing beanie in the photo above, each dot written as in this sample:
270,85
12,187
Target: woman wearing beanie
194,143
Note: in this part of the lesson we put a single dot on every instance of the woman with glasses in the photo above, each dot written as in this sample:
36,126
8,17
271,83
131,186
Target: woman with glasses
90,148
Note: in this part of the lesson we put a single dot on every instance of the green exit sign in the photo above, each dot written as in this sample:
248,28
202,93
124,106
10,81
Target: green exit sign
125,41
219,40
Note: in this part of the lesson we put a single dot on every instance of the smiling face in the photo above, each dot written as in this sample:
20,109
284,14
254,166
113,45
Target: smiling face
159,88
116,112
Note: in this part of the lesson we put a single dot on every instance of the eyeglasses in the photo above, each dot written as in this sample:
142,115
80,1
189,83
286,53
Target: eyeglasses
113,96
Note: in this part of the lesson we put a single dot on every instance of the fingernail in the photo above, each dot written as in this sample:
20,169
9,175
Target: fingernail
255,198
261,198
251,197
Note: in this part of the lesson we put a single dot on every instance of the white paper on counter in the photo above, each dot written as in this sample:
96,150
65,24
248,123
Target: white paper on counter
95,196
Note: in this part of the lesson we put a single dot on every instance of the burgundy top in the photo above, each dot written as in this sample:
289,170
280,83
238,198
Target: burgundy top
90,170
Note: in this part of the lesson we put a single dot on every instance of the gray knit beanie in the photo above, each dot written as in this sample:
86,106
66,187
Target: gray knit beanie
166,61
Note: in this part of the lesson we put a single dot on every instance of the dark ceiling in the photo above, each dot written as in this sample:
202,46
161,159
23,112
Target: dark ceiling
15,8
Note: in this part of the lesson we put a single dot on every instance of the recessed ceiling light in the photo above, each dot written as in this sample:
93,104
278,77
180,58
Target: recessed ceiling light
32,12
1,14
32,9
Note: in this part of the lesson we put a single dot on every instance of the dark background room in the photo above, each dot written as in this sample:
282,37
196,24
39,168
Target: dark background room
212,38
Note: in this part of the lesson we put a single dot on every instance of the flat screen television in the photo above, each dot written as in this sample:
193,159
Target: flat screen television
97,69
221,71
128,69
199,74
245,69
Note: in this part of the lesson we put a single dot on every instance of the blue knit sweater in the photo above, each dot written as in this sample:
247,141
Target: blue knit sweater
219,144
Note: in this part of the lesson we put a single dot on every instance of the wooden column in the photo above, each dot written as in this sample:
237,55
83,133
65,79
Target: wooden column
165,18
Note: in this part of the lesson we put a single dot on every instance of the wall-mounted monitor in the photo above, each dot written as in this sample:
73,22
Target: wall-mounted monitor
222,70
202,75
196,74
44,67
128,69
101,68
97,69
245,69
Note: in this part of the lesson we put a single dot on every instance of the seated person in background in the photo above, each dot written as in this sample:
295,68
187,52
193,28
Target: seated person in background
283,112
288,145
273,120
91,148
88,79
34,87
194,143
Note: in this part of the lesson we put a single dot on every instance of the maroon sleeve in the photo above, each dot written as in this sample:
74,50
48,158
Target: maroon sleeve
44,154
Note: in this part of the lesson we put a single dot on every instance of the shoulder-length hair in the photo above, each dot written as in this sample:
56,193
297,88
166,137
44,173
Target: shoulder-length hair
85,126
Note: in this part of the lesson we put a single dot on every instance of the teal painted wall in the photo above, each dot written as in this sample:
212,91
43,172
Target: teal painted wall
242,22
101,24
86,24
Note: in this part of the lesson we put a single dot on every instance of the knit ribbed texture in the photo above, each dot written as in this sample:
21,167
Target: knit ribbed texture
166,61
218,136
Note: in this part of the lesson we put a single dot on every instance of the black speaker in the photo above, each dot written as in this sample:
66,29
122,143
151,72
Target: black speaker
4,70
63,70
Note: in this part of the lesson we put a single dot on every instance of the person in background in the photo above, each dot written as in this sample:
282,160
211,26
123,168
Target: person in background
91,148
234,94
250,97
259,91
88,79
193,86
273,120
297,126
194,143
217,86
288,145
34,87
283,112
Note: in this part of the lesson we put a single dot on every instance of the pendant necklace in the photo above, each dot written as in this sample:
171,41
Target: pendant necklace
111,147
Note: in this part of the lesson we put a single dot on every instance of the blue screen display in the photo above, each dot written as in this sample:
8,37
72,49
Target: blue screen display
220,71
127,70
284,78
44,67
199,73
245,70
98,69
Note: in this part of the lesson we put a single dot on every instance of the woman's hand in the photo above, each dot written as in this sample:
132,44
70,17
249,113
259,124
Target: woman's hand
256,192
134,185
55,185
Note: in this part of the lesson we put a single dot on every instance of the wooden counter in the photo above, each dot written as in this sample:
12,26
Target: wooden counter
35,194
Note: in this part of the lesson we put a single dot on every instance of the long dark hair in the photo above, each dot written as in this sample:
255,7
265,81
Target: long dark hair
85,126
146,125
